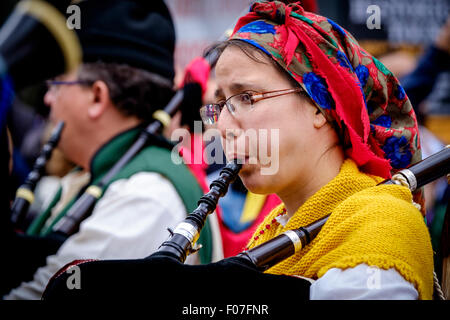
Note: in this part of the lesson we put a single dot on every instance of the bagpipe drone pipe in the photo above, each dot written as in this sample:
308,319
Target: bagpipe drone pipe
25,193
168,279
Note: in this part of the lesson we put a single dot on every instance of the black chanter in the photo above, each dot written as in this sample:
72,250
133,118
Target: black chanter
25,193
184,236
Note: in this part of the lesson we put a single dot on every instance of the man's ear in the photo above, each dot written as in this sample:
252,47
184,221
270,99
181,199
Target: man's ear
100,99
173,125
319,120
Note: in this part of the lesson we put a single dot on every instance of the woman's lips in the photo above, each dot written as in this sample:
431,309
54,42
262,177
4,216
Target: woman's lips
237,156
243,159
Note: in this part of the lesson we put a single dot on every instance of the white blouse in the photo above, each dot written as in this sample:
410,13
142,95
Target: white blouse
362,282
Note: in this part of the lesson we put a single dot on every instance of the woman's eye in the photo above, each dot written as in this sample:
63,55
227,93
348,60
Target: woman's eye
245,98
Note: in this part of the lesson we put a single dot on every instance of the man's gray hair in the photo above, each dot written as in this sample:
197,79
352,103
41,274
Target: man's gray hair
133,91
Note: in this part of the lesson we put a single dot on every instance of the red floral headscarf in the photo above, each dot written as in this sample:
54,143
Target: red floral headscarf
352,88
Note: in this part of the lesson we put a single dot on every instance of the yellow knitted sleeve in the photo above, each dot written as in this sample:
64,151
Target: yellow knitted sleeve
378,226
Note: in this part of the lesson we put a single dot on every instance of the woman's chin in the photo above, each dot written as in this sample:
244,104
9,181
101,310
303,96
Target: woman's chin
256,183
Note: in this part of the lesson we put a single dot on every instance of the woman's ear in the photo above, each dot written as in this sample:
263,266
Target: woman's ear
100,99
319,119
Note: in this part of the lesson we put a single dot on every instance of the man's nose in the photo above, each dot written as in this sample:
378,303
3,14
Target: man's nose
48,98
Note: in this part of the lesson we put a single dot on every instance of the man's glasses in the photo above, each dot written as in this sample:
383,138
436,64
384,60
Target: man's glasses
239,104
51,84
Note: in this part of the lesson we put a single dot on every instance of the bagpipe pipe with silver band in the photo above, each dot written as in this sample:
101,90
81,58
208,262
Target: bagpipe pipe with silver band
243,274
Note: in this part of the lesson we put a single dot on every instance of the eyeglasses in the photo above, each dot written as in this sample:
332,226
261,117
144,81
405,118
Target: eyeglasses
239,104
53,83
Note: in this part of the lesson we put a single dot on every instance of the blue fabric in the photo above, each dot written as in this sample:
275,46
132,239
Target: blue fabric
318,90
397,150
363,74
384,121
6,98
337,28
343,60
255,44
259,27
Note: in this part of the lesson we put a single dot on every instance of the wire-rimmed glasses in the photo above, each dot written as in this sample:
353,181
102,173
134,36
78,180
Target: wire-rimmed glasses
239,104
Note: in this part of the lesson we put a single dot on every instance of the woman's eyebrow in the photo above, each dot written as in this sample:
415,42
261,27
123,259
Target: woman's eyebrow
218,93
239,87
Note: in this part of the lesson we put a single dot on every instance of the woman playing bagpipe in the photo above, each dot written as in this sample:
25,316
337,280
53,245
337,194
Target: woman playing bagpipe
336,138
344,125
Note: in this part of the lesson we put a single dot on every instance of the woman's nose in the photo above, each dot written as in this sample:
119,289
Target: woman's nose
228,125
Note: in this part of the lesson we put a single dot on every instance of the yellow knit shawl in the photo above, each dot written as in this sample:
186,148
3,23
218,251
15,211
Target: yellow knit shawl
376,225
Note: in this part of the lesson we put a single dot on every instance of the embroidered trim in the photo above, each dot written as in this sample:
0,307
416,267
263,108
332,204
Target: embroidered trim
268,226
